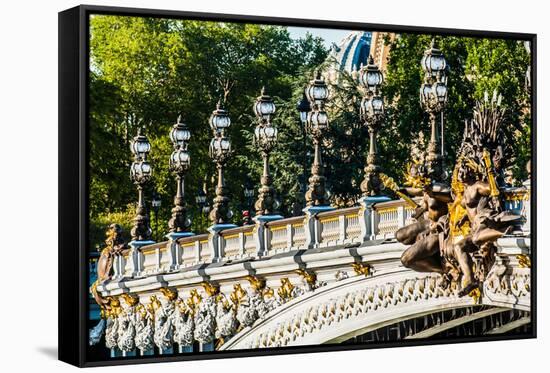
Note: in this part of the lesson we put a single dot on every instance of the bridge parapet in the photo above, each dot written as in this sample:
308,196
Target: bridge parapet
340,227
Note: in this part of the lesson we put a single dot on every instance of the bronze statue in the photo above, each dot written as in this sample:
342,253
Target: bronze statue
115,246
459,225
423,235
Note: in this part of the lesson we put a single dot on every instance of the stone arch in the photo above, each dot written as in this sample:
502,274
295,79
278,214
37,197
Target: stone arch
351,307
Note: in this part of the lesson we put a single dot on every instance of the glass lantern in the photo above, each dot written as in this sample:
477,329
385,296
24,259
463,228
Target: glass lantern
140,146
264,107
371,76
180,160
140,172
180,134
220,147
425,93
219,120
317,91
303,108
265,135
433,61
200,198
317,120
440,90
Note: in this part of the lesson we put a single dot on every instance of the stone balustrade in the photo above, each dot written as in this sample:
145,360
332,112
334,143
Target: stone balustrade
339,227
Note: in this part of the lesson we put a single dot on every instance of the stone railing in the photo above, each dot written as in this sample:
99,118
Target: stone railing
339,227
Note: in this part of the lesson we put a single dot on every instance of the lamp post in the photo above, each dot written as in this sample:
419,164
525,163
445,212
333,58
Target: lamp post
303,107
179,164
433,98
204,208
248,191
220,151
201,199
316,124
155,205
372,114
265,139
140,173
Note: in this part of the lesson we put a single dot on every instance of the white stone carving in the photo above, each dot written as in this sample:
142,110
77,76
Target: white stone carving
205,319
164,328
184,325
111,333
127,330
226,321
144,330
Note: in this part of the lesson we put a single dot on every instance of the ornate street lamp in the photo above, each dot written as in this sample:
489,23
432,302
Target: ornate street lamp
179,164
156,202
248,191
265,139
140,173
316,125
201,199
372,114
220,152
433,98
303,107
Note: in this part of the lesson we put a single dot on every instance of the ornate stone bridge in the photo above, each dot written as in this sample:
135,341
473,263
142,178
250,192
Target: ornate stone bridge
329,277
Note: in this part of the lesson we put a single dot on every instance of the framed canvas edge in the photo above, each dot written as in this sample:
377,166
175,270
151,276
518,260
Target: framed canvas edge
79,112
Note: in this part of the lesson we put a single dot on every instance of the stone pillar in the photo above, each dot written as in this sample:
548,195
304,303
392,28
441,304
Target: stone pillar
367,220
311,225
260,233
214,243
135,255
400,216
174,249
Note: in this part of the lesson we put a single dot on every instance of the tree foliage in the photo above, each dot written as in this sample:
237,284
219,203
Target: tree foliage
476,66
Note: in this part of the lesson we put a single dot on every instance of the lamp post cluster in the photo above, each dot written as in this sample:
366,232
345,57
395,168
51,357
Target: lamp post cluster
220,152
315,122
265,139
372,115
179,164
433,98
140,173
316,125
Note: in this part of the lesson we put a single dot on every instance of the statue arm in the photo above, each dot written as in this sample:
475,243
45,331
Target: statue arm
413,192
442,197
483,188
440,192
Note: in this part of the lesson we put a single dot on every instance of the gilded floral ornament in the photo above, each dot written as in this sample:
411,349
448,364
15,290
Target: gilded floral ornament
361,268
524,261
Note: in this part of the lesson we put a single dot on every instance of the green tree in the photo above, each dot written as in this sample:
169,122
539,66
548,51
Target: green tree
145,72
476,66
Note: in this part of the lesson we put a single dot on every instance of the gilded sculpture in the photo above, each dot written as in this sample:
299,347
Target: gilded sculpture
456,226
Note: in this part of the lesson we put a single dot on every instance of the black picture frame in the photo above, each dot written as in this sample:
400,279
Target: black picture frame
73,176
